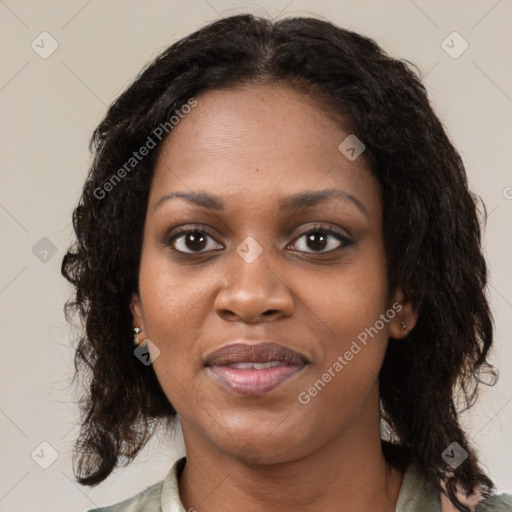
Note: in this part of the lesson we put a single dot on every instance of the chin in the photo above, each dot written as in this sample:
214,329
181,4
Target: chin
260,448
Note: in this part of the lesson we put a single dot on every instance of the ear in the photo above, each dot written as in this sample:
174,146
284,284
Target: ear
405,318
136,309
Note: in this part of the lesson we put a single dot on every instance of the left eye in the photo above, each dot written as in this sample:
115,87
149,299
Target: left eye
321,240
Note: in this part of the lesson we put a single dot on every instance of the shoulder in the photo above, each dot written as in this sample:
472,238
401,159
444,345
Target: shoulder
147,500
163,494
496,503
417,494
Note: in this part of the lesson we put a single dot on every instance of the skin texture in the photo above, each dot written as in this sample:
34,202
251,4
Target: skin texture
252,146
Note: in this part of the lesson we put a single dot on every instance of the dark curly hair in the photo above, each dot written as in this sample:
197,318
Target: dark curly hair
431,232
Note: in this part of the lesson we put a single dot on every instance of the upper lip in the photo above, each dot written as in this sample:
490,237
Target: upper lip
242,352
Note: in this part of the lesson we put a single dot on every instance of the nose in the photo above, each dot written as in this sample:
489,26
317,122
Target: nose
253,292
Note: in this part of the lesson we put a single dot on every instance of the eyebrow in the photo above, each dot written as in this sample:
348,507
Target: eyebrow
294,202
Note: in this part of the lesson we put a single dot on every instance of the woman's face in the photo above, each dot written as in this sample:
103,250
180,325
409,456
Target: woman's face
269,258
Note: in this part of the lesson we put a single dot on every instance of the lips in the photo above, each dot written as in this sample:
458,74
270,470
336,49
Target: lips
254,369
261,353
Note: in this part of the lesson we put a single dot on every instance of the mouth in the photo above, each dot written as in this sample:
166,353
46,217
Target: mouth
254,369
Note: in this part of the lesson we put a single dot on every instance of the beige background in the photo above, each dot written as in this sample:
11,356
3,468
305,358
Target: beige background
49,108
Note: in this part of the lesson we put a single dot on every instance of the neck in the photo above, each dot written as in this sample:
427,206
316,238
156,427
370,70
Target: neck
348,474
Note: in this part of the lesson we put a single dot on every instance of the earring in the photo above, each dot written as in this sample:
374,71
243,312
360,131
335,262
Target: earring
404,327
136,330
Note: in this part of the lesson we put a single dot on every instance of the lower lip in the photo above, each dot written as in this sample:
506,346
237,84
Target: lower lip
253,382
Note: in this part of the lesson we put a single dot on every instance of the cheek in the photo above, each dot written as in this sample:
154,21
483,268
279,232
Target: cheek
165,300
175,305
341,384
172,297
351,299
349,306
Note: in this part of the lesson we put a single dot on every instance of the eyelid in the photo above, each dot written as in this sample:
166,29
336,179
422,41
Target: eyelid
325,227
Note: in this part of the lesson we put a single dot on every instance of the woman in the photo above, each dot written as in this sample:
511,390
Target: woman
273,215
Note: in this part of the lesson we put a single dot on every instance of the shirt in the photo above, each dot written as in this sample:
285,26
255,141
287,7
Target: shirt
416,495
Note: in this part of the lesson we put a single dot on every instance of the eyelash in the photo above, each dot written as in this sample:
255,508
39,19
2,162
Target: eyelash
344,240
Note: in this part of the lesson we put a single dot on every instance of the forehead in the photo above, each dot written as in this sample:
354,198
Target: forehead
258,141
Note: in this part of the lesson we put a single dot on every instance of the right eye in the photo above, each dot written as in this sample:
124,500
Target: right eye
191,241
